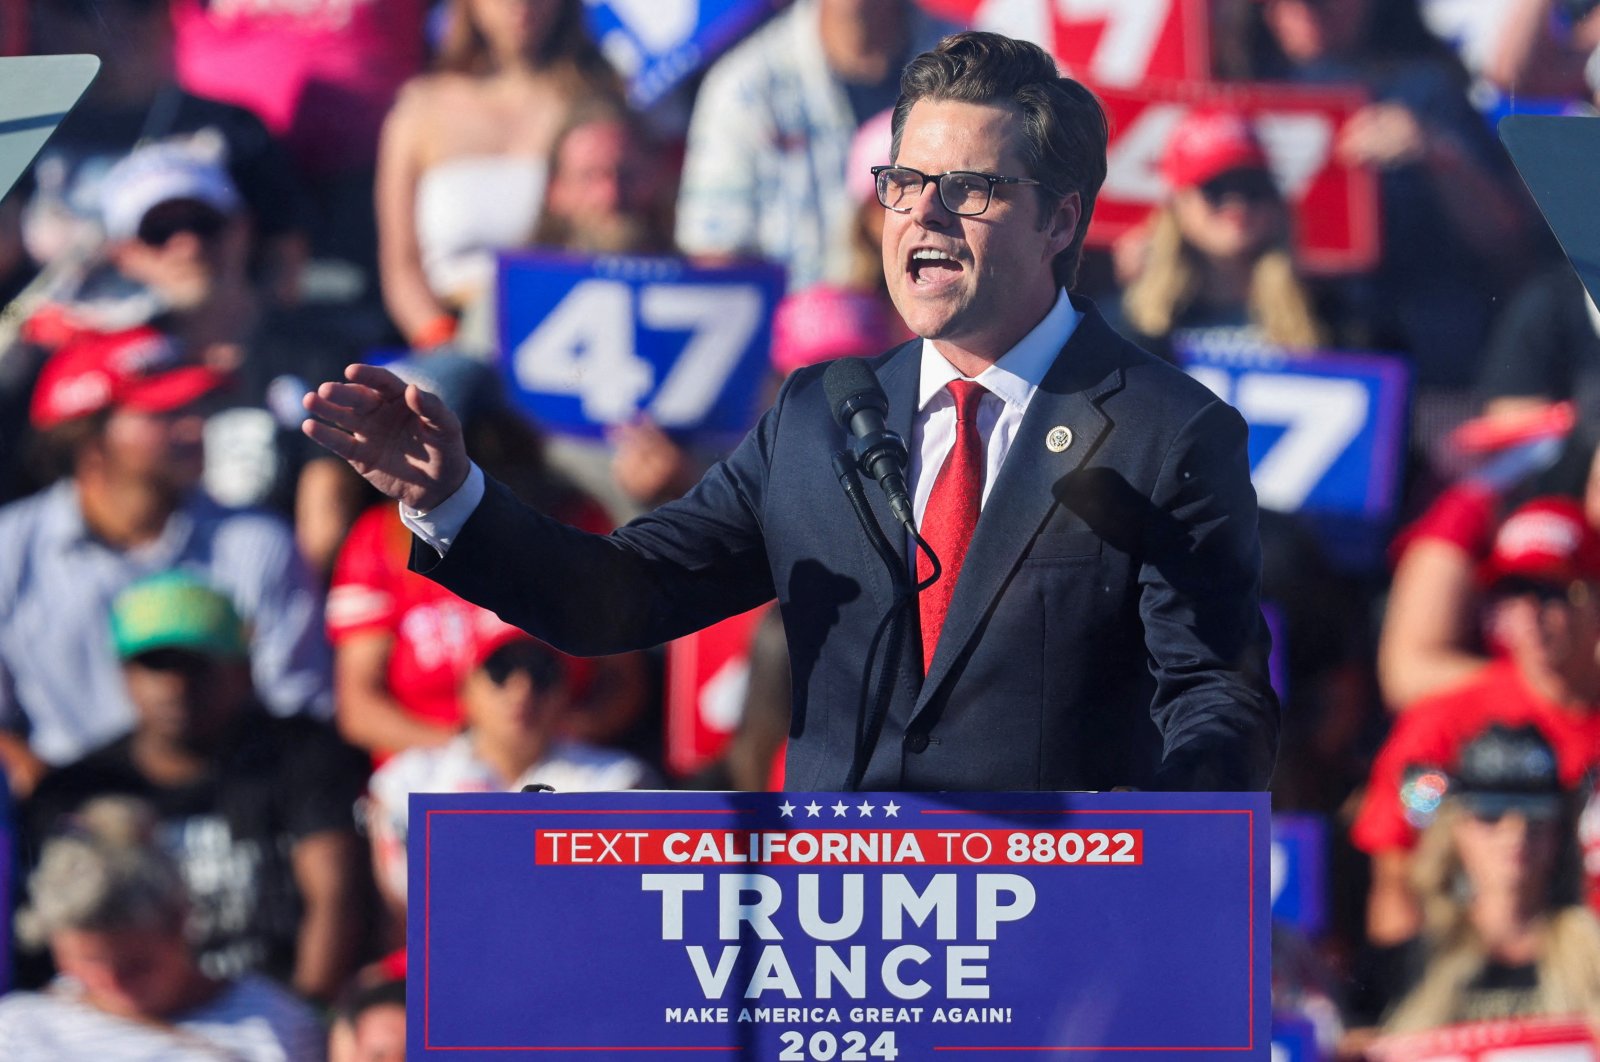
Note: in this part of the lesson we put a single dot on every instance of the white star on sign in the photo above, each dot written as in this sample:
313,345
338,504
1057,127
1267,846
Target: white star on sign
787,809
891,810
813,809
839,809
865,807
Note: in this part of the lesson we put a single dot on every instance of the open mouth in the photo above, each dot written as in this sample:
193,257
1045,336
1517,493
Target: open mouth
928,266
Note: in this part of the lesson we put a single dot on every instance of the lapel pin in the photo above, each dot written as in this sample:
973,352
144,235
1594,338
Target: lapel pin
1059,438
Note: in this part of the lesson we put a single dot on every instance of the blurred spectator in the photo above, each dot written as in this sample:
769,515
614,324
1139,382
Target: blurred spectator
1505,933
398,636
605,193
1545,48
174,225
1453,227
135,101
370,1026
112,909
120,417
1217,272
321,75
513,695
1432,638
257,811
1545,347
764,173
1543,578
463,158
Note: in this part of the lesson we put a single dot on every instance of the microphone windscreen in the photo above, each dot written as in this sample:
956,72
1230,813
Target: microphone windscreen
850,386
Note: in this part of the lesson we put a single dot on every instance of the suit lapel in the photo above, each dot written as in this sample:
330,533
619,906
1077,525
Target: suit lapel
899,375
1084,372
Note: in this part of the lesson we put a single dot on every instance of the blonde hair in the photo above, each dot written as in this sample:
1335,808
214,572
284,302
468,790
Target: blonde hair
104,873
1568,968
1172,279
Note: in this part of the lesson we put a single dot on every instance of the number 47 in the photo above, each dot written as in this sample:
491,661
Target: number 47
1320,417
585,348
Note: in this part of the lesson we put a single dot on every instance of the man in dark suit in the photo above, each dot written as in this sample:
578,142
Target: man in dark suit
1097,623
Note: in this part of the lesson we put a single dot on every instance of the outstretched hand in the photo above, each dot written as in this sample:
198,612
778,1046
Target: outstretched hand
402,439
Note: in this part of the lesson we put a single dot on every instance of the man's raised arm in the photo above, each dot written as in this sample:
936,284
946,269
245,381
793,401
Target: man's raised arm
401,439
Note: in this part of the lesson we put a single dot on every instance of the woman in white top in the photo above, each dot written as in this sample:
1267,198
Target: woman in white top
462,160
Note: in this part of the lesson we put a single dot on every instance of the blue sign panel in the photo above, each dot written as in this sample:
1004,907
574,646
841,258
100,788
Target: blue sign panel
1299,872
656,44
834,926
1327,432
590,342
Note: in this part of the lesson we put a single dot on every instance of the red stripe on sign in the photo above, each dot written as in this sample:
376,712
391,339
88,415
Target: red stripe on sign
703,847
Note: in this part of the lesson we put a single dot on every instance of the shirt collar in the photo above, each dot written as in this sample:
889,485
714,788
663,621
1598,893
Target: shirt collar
1019,371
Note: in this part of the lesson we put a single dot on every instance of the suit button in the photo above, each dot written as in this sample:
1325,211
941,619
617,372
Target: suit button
916,742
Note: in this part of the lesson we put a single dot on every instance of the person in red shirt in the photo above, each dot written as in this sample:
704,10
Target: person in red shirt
1543,580
399,638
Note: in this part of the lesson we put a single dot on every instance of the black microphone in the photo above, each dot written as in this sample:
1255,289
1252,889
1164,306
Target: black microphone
859,405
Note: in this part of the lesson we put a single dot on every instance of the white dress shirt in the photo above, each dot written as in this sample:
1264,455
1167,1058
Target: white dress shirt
1010,382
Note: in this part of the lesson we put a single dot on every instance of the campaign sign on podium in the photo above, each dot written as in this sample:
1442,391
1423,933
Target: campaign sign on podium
827,926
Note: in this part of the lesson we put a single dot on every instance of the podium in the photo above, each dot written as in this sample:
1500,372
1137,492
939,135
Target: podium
838,925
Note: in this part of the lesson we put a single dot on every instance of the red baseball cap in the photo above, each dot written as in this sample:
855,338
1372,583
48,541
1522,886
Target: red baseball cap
138,369
1207,143
1547,541
489,634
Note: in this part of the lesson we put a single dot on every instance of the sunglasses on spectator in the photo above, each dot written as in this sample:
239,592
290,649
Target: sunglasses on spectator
1574,593
1540,814
534,660
1252,186
164,222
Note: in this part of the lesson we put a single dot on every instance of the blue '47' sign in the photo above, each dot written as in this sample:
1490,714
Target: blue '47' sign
1327,431
587,343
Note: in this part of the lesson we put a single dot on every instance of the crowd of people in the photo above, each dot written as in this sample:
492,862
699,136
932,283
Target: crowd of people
219,681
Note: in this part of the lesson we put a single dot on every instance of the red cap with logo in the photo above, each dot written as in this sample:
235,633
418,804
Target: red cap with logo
1548,541
138,369
1207,143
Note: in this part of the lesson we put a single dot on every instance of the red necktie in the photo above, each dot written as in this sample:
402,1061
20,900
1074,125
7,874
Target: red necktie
952,513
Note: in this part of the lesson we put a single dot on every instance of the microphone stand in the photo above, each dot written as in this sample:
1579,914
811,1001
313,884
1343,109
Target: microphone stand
870,713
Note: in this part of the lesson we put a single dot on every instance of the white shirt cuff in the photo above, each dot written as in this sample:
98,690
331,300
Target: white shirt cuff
439,526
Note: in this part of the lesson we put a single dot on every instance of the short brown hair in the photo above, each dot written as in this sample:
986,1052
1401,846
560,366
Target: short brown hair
1064,128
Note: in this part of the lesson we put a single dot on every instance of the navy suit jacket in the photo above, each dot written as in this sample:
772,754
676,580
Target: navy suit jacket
1105,630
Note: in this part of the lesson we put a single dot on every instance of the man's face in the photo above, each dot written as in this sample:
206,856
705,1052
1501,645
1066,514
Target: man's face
184,251
380,1034
185,698
137,973
600,186
996,283
162,449
1549,627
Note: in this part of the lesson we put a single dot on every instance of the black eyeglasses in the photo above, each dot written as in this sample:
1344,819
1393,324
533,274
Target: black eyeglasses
164,222
964,192
1252,186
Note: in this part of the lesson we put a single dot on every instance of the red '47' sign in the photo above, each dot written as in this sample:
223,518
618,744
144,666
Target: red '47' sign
1336,206
1105,42
708,673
